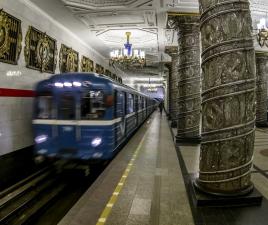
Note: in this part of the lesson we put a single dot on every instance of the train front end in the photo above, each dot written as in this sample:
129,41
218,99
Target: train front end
73,117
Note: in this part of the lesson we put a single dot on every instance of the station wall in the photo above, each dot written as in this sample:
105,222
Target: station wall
15,102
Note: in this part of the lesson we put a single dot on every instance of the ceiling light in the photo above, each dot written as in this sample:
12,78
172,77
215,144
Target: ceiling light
127,56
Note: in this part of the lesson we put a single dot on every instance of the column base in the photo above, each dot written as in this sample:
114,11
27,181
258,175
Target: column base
189,140
249,197
173,124
261,125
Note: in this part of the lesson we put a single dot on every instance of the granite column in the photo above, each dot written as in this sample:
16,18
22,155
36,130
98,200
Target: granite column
228,98
189,83
172,51
261,91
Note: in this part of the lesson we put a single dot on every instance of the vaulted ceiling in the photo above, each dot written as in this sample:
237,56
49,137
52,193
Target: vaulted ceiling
103,23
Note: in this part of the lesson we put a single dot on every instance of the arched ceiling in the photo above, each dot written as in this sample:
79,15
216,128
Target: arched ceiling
102,23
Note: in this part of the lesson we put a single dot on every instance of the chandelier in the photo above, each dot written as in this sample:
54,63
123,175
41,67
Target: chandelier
127,56
262,36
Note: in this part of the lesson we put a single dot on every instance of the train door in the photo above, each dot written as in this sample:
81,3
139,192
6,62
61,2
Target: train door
120,109
67,133
124,123
136,107
146,107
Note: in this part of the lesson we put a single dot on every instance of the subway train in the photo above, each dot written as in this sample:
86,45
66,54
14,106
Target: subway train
85,116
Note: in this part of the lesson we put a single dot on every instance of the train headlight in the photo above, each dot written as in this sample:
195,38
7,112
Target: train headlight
67,84
58,84
40,139
77,84
96,141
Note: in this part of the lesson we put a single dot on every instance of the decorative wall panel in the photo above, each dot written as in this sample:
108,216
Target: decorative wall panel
119,79
40,51
87,65
99,69
10,38
113,76
69,59
108,73
228,97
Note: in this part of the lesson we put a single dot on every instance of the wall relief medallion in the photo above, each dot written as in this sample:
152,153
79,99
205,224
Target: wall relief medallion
40,51
87,65
10,38
108,73
69,59
99,69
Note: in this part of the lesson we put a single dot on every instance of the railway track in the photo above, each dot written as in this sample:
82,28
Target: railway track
24,201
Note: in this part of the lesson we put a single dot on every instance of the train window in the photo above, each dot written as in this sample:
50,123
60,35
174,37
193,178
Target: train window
44,107
66,107
119,104
140,103
130,103
92,105
136,103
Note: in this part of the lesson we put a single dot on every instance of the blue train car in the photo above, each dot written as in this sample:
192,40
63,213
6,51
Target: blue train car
85,116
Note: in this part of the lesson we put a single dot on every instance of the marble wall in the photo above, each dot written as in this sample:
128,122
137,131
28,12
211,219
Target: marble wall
16,112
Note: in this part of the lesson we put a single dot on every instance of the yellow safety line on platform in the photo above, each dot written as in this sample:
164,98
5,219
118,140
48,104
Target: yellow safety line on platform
107,210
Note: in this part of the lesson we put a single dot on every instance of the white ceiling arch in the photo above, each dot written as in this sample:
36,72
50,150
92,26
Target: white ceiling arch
103,23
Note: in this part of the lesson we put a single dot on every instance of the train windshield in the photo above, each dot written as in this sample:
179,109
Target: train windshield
44,107
92,105
66,110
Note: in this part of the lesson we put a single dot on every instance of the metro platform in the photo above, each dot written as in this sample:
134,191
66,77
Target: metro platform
148,183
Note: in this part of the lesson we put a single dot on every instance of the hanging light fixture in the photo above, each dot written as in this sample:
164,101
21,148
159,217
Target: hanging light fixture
262,36
127,56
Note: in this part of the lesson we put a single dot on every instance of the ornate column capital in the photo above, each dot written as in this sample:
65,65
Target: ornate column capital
175,20
171,50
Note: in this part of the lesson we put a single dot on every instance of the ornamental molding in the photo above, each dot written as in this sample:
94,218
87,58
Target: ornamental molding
108,4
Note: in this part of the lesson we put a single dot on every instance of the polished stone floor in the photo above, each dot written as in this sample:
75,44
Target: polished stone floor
147,183
249,215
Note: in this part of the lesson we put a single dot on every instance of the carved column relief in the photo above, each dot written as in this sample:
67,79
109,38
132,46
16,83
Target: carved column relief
228,97
173,89
261,91
189,96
